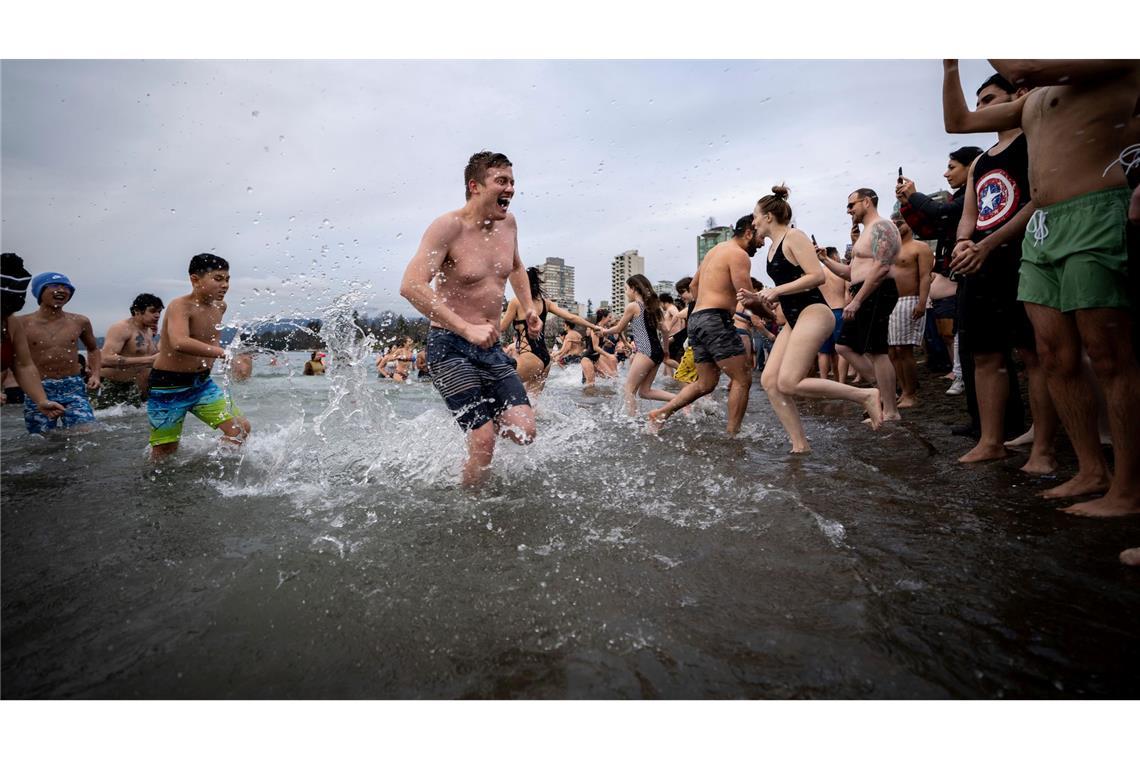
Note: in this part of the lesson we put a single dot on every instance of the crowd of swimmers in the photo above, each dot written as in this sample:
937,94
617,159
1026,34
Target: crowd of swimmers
1031,260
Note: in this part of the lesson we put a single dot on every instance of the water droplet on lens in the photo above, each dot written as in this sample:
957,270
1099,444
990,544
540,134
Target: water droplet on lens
256,114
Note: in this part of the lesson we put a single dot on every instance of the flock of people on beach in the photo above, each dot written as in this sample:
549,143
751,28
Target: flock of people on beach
1032,258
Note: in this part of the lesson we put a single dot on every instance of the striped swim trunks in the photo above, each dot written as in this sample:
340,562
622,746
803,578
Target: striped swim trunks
903,329
477,384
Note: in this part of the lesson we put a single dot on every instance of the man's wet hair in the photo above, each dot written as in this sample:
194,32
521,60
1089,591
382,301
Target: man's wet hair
682,285
207,262
601,314
997,80
666,298
966,154
832,252
478,165
144,301
743,224
866,192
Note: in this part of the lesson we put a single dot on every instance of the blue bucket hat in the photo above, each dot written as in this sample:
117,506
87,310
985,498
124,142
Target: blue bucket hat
43,279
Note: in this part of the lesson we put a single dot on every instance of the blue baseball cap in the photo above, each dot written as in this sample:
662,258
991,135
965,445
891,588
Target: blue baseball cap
43,279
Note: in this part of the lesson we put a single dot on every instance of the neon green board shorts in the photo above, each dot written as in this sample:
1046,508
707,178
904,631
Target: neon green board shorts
1074,254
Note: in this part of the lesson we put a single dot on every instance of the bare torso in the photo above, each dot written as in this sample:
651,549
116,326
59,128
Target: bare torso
905,269
125,338
473,275
863,260
204,321
54,342
715,289
573,346
1074,136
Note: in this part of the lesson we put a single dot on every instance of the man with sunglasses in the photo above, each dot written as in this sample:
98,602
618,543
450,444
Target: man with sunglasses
863,340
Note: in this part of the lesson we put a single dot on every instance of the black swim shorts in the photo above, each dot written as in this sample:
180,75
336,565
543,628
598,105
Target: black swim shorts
477,384
867,332
713,337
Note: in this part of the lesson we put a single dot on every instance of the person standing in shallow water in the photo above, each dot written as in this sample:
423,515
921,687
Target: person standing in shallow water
794,267
866,318
129,349
533,357
469,254
645,317
52,336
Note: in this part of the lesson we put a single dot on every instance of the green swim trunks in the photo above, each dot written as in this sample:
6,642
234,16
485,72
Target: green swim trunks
1074,254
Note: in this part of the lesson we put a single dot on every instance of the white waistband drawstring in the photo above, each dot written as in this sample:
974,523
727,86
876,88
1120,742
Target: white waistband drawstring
1037,228
1129,159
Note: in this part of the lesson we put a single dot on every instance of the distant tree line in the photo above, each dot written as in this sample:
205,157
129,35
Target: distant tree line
305,335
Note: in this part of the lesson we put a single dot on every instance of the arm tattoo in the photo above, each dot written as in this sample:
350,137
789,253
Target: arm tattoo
885,242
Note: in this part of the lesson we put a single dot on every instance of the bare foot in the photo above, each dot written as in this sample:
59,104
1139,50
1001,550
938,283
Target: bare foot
1079,485
656,421
1105,506
874,406
892,417
1039,465
1024,439
906,402
805,449
982,453
1131,557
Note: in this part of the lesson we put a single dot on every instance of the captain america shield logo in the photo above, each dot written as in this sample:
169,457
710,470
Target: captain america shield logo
998,198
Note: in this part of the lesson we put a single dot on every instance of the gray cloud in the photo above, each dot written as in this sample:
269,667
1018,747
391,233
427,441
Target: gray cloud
311,176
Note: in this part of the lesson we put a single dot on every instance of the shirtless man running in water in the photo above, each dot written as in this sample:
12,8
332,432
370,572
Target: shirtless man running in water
716,347
469,254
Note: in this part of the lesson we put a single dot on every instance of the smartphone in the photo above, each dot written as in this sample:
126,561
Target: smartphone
900,172
813,241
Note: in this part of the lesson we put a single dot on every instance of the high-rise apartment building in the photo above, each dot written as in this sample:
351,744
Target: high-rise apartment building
558,281
624,266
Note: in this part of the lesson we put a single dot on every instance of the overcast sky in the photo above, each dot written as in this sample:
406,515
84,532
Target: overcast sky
318,178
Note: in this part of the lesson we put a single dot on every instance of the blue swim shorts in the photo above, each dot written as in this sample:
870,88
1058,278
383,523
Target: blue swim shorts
71,392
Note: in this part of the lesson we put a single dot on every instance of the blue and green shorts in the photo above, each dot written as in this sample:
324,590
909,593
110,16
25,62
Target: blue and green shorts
173,394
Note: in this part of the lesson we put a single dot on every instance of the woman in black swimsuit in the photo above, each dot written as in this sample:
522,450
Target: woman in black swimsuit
533,363
793,266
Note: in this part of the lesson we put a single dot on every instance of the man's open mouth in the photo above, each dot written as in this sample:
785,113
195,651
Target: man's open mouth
504,202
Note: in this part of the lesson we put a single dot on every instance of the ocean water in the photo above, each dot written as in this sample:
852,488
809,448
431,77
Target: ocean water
335,556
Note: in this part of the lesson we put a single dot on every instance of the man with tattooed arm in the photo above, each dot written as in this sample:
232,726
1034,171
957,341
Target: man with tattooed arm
866,318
